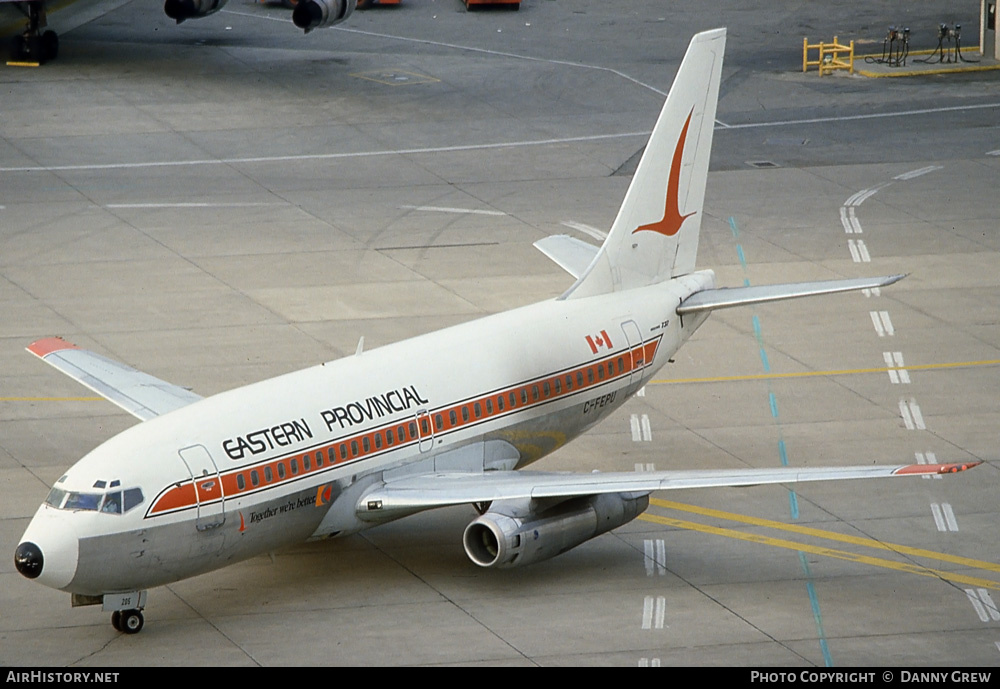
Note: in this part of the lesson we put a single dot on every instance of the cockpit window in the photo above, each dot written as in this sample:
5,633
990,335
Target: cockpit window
82,501
133,497
55,498
113,502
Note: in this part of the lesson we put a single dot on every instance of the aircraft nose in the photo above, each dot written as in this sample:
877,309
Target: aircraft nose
28,560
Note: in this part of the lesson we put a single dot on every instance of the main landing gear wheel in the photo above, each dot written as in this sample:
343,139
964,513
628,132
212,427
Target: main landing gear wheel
32,45
127,621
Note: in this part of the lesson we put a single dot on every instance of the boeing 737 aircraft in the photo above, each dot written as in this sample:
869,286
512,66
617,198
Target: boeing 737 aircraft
38,44
448,418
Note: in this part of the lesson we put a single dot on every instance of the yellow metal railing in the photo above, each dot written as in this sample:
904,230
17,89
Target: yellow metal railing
832,56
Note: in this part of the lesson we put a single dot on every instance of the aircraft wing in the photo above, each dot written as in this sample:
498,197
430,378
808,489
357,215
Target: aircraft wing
138,393
726,297
441,489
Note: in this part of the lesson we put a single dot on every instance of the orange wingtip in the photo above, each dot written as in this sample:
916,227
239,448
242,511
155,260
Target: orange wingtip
935,468
42,348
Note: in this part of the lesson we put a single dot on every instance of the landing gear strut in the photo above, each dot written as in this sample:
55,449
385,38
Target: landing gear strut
33,45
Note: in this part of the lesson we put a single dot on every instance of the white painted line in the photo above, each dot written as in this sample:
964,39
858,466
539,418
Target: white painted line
983,604
855,224
649,466
463,211
873,292
928,458
882,323
859,252
844,221
977,605
641,392
944,517
855,256
873,116
189,205
317,156
586,229
641,429
654,612
949,516
917,173
647,612
911,415
904,375
655,557
893,375
877,322
849,220
863,250
655,662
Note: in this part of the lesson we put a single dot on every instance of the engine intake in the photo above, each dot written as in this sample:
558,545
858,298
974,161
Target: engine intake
315,14
180,10
509,536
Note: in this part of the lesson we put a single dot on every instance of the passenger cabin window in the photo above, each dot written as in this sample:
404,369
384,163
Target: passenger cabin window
241,482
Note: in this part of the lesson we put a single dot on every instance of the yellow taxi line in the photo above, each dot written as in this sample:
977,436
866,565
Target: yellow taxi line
827,552
839,372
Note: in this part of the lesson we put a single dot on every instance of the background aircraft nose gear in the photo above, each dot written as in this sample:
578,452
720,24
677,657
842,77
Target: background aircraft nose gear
32,45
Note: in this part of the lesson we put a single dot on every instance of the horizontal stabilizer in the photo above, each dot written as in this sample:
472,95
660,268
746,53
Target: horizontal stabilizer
726,297
138,393
438,490
569,253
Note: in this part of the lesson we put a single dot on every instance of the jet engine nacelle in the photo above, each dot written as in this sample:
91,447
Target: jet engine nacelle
315,14
179,10
508,536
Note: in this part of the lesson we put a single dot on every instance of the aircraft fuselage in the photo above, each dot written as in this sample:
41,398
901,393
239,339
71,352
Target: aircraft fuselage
291,458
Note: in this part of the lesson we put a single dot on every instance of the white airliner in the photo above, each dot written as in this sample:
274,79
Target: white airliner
447,418
37,43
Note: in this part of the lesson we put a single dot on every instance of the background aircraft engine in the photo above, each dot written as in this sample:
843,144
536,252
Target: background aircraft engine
511,534
180,10
315,14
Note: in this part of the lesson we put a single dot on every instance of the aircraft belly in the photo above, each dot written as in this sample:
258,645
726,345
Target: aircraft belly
536,437
165,553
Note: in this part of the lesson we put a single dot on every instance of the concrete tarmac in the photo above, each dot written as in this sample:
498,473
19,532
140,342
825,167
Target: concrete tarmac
228,200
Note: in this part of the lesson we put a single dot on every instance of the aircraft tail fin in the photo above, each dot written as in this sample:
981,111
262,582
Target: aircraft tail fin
655,236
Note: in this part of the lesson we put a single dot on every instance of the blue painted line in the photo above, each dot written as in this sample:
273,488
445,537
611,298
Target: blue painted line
793,499
817,615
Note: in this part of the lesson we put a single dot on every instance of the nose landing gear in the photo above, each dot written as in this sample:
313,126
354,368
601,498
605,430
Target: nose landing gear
127,621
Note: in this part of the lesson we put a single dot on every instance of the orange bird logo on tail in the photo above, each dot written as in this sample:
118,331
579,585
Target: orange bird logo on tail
672,218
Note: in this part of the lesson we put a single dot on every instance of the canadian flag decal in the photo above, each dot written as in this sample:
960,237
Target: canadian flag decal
599,342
